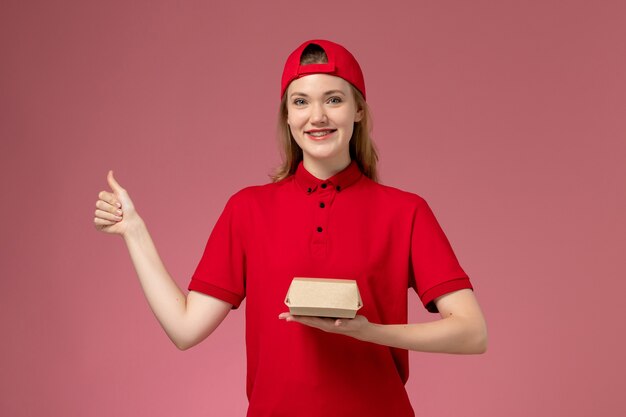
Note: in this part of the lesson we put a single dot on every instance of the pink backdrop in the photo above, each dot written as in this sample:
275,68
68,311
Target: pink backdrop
507,116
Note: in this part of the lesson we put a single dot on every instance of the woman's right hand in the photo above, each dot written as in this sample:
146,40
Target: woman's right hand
115,212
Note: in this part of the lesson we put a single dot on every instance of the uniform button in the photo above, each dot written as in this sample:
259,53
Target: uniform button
322,205
338,188
319,229
324,185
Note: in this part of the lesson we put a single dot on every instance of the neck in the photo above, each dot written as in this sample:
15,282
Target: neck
324,169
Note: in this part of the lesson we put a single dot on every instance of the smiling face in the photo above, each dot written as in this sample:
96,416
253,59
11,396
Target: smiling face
321,112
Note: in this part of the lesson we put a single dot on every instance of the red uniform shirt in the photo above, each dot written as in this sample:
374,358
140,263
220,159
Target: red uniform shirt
349,227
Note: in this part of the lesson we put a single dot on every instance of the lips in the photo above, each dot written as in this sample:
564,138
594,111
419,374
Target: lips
318,134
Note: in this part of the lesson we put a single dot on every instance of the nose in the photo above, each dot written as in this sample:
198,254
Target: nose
318,114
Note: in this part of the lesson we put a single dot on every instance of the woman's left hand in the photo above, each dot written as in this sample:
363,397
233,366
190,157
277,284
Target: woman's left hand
350,327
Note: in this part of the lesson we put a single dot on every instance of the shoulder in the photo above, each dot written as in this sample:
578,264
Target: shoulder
395,196
249,195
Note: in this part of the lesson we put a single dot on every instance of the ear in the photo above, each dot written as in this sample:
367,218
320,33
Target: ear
359,115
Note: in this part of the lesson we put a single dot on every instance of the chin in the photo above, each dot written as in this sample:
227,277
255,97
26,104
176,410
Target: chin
324,157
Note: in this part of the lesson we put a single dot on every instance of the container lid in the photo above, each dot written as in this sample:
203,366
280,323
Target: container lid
324,293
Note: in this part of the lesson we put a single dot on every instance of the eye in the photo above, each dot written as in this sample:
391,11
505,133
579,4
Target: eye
335,100
298,101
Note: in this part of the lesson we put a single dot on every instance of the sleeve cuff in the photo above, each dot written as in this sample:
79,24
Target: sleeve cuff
444,288
217,292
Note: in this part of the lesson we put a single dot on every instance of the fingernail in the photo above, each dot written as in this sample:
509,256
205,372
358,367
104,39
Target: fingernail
119,204
119,212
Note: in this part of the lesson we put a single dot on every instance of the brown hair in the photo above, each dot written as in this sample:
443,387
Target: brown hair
362,147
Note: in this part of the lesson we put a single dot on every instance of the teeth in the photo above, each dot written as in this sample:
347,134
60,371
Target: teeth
325,132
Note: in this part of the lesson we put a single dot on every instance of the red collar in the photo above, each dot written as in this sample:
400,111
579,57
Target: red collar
340,181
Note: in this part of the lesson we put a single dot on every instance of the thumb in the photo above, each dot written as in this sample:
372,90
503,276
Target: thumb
115,186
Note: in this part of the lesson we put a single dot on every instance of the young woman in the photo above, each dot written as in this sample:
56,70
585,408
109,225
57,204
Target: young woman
323,215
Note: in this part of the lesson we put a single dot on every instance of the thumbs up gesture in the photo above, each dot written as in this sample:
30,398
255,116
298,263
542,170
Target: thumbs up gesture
115,212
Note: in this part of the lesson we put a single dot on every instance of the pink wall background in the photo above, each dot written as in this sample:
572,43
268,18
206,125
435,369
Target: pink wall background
508,117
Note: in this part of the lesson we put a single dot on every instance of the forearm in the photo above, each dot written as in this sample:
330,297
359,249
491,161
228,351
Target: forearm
167,301
448,335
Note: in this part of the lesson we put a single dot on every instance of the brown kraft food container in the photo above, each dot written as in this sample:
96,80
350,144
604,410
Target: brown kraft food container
323,297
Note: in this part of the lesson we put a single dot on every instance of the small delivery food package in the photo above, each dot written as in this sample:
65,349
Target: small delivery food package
323,297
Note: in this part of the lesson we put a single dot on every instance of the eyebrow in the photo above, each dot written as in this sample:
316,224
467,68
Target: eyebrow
326,93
